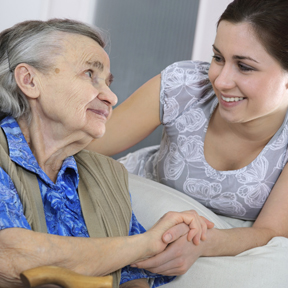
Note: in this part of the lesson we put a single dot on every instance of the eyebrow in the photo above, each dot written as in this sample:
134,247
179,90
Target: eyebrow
237,57
96,64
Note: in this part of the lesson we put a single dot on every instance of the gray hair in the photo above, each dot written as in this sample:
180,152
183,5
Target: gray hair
35,43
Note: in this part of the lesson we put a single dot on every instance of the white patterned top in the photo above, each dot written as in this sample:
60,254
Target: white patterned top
187,103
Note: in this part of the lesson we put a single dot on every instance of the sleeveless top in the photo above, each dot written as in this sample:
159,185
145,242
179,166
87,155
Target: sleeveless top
187,102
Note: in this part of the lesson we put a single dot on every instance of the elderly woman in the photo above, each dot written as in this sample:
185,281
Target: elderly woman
54,91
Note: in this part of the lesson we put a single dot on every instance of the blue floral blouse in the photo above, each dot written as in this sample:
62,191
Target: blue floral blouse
61,203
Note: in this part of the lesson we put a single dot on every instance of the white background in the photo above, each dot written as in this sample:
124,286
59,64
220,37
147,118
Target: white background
208,15
14,11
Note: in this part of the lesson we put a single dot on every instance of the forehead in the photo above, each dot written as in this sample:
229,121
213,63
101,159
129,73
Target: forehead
80,50
234,34
240,40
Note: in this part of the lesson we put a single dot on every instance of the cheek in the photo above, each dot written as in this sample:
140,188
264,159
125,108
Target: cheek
79,102
76,98
213,72
248,86
259,89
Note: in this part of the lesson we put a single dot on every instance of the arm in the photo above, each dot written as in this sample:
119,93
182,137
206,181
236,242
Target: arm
271,222
141,109
22,249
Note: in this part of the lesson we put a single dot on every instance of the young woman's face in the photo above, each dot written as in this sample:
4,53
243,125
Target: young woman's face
248,82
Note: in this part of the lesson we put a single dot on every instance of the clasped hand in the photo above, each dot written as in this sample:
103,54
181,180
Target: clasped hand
182,233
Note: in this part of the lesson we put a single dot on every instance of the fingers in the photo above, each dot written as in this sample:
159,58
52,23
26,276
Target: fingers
156,265
175,232
162,262
204,228
208,223
190,218
197,226
174,260
196,238
154,262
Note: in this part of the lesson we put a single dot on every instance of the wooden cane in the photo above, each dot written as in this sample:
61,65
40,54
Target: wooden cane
63,277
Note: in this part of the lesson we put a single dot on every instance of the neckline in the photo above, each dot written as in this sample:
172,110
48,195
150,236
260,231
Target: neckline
21,154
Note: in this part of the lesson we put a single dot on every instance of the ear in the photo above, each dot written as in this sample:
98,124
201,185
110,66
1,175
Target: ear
286,78
25,78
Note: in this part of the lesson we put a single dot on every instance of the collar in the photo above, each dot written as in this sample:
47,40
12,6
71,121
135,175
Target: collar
20,153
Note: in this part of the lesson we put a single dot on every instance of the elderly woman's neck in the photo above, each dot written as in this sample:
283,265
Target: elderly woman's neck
48,151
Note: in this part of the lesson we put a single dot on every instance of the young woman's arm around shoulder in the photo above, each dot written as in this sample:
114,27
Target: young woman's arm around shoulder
132,120
271,222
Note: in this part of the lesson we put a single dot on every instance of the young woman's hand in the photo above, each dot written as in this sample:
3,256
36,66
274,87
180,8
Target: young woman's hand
189,231
175,260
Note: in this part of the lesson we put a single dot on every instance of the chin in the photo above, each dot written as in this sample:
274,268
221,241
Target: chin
95,130
230,118
98,134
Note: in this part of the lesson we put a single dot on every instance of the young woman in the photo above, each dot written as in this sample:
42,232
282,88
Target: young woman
225,135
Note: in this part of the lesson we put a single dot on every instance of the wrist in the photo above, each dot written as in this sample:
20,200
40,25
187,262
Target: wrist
153,243
209,246
148,246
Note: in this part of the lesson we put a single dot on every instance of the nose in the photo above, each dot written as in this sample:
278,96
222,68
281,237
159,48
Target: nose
107,96
225,78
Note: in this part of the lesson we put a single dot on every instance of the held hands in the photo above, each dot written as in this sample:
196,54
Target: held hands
175,260
196,228
179,229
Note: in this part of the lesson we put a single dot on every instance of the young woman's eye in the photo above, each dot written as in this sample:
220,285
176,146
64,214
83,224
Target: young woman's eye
217,58
244,68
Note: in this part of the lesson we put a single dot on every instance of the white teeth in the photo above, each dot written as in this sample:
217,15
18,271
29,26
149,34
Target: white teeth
232,99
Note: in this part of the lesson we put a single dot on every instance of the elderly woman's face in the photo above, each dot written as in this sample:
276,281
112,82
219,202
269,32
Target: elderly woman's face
76,96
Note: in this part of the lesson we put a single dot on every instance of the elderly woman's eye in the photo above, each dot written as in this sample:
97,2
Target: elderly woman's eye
89,73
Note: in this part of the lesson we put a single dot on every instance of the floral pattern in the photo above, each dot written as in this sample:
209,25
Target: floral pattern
60,200
187,102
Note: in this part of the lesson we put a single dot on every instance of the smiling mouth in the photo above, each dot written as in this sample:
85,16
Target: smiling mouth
102,113
232,99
